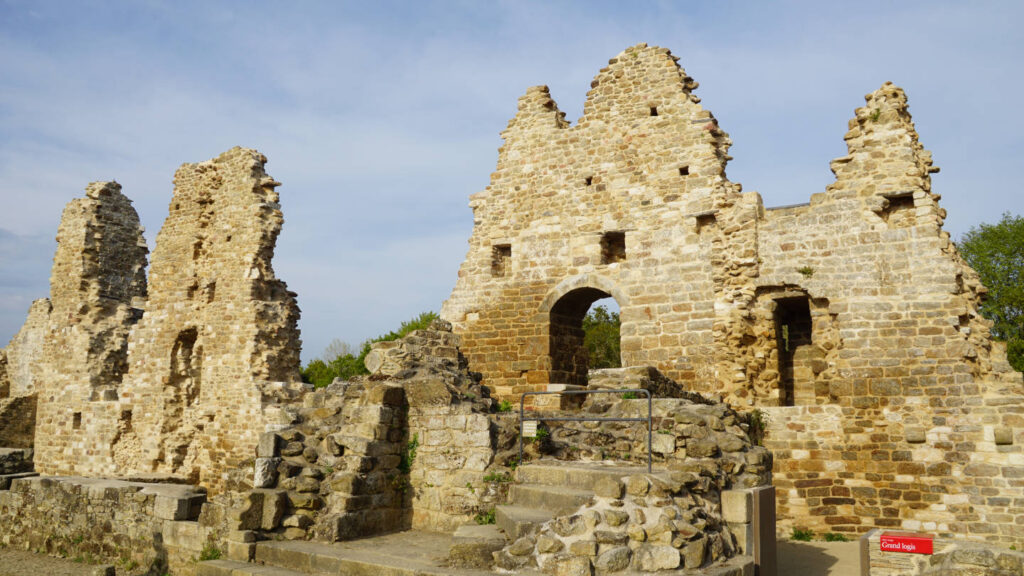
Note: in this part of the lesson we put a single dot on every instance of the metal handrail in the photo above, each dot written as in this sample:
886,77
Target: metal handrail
649,420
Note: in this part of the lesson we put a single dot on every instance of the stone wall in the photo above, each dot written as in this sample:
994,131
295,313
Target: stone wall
950,558
97,285
218,345
857,301
140,528
23,357
18,422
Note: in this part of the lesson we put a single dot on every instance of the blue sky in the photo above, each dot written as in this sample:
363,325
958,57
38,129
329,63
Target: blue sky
381,118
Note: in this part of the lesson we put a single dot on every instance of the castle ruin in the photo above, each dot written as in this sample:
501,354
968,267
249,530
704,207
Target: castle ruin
851,319
167,415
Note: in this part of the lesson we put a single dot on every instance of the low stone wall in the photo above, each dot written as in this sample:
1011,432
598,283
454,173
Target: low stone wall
17,421
684,432
141,528
949,558
647,522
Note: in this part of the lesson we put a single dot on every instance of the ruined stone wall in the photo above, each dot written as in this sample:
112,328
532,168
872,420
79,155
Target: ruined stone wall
219,341
857,301
141,529
96,284
622,204
24,354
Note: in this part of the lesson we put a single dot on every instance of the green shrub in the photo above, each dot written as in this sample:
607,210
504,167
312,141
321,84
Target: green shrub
504,406
500,477
321,373
834,537
409,454
802,534
485,517
210,552
630,396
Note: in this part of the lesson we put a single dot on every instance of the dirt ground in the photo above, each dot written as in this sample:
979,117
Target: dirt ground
818,558
19,563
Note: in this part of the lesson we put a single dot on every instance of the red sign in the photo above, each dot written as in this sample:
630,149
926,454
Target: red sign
906,542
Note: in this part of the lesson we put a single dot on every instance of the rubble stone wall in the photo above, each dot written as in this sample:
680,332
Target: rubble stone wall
857,301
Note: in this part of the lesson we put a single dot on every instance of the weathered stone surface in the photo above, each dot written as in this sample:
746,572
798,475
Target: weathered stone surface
608,488
651,558
614,560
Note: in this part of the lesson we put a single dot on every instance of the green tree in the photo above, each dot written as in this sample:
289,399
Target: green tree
996,252
344,364
601,337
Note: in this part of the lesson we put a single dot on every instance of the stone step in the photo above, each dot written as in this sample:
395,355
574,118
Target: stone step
475,545
580,476
517,521
5,479
411,553
232,568
557,499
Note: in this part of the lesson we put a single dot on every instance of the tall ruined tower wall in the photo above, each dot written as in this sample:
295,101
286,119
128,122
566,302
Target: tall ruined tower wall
219,329
97,281
852,320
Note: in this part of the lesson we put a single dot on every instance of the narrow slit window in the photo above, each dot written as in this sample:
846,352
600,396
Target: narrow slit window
613,247
501,257
76,421
589,180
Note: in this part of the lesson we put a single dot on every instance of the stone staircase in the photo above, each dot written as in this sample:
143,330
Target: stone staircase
542,491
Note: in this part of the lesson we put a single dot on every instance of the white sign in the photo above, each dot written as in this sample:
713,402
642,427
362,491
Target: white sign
530,429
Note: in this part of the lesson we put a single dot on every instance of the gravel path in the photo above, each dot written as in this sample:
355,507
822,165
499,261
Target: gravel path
18,563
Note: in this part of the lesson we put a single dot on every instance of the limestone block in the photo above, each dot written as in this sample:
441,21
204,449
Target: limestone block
265,472
651,558
737,506
614,559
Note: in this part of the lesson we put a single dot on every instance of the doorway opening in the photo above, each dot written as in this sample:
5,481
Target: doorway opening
793,333
584,334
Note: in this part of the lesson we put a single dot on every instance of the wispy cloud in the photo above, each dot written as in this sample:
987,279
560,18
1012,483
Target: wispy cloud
381,118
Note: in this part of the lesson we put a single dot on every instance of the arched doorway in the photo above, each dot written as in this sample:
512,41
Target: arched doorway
570,360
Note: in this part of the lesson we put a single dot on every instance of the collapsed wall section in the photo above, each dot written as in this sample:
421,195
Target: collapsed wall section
219,339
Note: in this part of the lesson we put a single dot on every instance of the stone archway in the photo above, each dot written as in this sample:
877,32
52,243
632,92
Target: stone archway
565,308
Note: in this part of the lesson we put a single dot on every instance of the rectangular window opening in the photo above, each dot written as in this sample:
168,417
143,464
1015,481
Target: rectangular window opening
501,255
654,110
899,211
76,421
613,247
705,222
684,170
589,180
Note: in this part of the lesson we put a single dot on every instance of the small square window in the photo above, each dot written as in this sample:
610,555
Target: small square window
613,247
684,170
588,180
654,110
501,255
